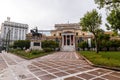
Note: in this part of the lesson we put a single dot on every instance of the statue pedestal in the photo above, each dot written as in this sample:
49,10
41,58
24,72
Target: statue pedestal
36,38
35,45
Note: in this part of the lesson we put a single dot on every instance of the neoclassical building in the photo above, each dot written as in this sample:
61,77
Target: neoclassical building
13,31
68,36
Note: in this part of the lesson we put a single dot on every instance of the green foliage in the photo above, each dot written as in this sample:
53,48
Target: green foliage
104,37
114,16
115,43
91,22
48,49
114,20
83,45
109,4
92,44
36,52
111,59
103,40
49,45
29,55
22,44
110,44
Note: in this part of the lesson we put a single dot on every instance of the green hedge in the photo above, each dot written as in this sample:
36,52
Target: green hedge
49,45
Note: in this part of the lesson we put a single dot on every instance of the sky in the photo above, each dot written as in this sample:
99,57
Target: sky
46,13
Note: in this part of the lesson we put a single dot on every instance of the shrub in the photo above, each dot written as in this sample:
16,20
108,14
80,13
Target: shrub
111,44
48,49
14,50
92,44
37,51
83,45
47,44
21,44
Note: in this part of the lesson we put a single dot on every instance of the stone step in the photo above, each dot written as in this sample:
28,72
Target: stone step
68,48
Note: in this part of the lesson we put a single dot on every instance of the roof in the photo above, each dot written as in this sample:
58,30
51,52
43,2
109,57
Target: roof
67,25
15,24
109,32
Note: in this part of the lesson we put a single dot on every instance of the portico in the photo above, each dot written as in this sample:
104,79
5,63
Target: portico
68,41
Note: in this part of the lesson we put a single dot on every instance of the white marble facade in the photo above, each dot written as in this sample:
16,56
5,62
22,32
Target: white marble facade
68,42
16,31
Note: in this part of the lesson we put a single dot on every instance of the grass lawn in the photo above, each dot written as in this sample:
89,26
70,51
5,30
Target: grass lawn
111,59
29,55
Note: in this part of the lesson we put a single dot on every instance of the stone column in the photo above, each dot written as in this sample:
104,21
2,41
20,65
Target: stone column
73,40
18,34
13,33
66,40
89,42
63,38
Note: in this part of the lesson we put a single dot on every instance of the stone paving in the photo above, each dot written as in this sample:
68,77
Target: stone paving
57,66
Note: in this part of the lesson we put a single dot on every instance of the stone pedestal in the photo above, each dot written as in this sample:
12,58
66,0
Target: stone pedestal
35,45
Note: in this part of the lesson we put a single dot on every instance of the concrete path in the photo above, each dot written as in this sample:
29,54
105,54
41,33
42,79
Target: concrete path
57,66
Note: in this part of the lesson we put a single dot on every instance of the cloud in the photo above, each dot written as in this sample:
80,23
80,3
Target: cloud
46,13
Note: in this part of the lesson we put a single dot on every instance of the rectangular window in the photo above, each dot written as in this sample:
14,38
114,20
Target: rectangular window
76,34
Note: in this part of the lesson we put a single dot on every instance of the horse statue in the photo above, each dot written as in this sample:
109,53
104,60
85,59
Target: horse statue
35,32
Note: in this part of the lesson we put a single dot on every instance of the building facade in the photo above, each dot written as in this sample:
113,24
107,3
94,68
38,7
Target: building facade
13,31
68,36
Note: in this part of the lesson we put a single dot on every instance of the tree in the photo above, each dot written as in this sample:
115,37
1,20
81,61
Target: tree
115,44
109,4
83,45
114,20
102,40
22,44
91,22
114,16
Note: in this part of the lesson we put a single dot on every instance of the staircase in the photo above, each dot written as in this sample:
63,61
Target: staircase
68,48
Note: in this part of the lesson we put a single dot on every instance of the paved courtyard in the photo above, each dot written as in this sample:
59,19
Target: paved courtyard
57,66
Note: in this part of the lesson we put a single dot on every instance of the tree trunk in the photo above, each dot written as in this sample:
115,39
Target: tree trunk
96,45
